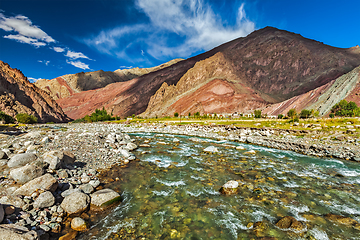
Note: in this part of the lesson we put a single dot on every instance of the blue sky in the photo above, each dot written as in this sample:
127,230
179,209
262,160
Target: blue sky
51,38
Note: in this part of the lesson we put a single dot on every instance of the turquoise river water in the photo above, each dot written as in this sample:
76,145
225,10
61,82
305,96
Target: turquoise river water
173,193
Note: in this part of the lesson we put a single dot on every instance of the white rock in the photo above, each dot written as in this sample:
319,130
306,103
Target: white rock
240,148
21,159
231,184
211,149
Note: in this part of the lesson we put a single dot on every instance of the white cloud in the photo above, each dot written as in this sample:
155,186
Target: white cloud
58,49
78,64
26,31
75,55
32,80
45,62
28,40
175,29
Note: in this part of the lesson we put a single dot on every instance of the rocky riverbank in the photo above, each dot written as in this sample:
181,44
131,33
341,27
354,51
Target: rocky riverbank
49,177
313,143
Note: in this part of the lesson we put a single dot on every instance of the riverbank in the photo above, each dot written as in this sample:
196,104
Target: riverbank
308,142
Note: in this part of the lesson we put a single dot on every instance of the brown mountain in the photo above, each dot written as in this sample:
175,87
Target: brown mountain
70,84
322,98
268,66
18,95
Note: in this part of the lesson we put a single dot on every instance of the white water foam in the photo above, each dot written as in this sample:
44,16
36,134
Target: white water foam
318,234
232,223
195,194
163,193
171,183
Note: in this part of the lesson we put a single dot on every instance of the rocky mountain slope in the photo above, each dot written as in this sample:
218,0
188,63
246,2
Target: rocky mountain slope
18,95
266,67
323,98
67,85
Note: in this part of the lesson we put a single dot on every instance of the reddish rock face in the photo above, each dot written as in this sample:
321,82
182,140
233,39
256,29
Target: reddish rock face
18,95
266,67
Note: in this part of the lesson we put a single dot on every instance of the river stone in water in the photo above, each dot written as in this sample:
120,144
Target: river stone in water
78,224
16,232
343,220
21,159
290,222
131,146
104,197
231,187
45,199
26,173
211,149
75,203
45,182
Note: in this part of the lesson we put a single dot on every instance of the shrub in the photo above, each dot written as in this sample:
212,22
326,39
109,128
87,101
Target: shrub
291,113
257,113
176,114
280,116
189,115
346,109
305,113
331,115
26,118
6,118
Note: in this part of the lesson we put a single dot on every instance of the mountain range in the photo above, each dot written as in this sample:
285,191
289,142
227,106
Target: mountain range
270,69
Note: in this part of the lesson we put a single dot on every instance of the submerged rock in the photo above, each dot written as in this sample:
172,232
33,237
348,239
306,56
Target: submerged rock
229,188
78,224
343,220
290,222
211,149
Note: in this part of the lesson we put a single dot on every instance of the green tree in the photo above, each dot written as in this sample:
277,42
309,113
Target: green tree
176,114
331,115
280,116
292,113
197,115
345,109
189,115
305,113
6,118
257,113
26,118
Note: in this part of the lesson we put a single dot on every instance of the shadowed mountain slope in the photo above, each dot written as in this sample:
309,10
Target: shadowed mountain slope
18,95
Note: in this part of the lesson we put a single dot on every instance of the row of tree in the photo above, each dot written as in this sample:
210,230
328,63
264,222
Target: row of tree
341,109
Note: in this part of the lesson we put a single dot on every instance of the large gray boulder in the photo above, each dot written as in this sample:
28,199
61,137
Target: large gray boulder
16,232
26,173
75,203
21,159
59,159
45,199
2,214
45,182
104,197
12,200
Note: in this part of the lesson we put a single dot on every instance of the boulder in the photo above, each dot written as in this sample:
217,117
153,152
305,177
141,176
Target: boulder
211,149
12,200
87,188
290,222
45,182
250,152
21,159
16,232
78,224
26,173
229,188
125,153
343,220
70,191
3,155
1,213
75,203
45,199
104,197
240,148
59,159
131,146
